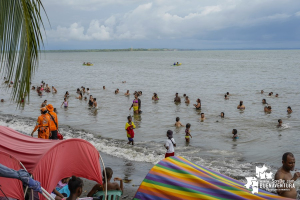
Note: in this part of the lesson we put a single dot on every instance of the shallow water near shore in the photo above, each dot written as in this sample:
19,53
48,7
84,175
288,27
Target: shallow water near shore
203,74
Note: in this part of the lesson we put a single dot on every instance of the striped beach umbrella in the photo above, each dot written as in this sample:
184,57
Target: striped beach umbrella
177,178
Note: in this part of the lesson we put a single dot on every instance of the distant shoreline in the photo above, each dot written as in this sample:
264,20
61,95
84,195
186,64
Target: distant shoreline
163,49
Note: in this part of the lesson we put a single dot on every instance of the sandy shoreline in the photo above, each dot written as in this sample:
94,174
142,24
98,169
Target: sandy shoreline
125,169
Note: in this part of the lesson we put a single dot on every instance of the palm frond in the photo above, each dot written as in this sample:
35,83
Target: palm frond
20,42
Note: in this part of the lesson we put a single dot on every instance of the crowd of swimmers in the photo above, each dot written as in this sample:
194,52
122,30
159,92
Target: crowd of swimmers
75,184
197,106
43,88
136,106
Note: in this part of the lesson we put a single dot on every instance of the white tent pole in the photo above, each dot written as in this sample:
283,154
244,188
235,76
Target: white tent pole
23,166
45,193
27,185
105,177
45,196
49,196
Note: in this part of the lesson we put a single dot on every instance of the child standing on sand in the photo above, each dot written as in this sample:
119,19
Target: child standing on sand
129,126
178,123
188,132
170,144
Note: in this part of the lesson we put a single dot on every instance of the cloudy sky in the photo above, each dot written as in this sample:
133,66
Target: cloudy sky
182,24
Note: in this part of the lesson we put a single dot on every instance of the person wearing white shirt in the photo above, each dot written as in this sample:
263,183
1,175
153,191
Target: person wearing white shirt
170,144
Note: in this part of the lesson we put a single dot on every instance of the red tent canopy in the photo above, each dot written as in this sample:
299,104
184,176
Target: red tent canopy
49,161
11,187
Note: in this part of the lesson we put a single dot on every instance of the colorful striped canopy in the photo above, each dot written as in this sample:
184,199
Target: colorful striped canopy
177,178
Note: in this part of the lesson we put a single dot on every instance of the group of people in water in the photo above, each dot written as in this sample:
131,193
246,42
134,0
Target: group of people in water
197,106
268,108
43,88
75,183
136,106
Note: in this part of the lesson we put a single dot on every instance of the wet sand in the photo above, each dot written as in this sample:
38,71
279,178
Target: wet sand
134,171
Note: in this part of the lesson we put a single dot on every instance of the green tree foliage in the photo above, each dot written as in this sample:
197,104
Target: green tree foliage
20,41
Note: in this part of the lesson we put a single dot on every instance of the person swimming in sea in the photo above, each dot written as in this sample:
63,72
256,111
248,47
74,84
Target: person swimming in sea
241,106
127,93
234,132
155,97
95,104
222,115
289,110
91,101
177,99
178,123
264,101
65,103
279,123
117,91
54,89
198,105
187,100
67,94
188,132
268,109
226,97
135,104
202,118
80,96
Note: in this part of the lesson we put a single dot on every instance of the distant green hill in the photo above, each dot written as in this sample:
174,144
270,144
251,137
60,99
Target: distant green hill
109,50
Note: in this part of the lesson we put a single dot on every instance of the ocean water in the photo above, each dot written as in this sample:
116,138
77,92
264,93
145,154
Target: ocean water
207,75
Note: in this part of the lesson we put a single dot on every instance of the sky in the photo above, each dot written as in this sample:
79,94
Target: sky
179,24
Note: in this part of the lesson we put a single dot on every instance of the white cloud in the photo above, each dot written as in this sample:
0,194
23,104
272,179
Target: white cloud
74,32
171,19
279,16
98,32
211,9
89,5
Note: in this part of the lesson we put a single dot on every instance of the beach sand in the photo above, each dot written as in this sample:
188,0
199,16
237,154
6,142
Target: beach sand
134,171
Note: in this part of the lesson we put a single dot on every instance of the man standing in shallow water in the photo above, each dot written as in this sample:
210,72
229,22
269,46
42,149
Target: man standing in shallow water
177,98
284,173
241,106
